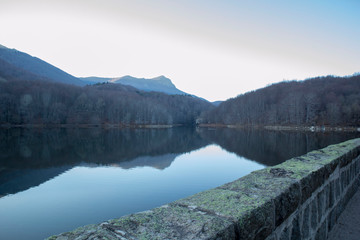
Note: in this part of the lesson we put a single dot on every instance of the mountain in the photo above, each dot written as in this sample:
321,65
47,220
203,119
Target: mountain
320,101
157,84
18,65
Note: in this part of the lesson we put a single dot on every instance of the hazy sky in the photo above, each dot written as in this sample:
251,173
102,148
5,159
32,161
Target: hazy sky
215,49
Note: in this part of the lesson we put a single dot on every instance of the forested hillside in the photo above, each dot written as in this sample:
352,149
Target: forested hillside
333,101
13,63
10,72
44,102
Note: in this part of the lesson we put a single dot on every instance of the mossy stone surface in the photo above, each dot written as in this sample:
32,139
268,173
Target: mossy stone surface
168,222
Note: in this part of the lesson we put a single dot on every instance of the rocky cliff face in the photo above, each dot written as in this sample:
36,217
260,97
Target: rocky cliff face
157,84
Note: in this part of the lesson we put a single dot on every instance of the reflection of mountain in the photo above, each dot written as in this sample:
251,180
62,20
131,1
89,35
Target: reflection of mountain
16,180
29,157
159,162
272,147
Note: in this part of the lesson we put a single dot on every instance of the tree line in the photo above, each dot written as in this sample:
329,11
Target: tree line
322,101
45,102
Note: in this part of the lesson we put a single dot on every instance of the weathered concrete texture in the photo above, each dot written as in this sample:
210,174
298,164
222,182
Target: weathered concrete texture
321,210
251,214
298,199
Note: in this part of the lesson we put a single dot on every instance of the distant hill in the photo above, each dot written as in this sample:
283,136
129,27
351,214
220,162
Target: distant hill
321,101
93,80
216,103
14,64
157,84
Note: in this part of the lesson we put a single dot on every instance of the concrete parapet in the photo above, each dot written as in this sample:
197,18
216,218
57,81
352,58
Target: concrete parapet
298,199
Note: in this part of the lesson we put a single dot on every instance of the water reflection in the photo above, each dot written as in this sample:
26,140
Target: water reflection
272,147
86,194
30,157
17,180
159,162
34,148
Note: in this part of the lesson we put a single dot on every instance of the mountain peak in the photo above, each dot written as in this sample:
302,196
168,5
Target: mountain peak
157,84
161,77
163,80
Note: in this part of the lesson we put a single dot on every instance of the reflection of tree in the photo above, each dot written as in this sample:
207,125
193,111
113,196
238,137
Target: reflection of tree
33,148
272,147
29,157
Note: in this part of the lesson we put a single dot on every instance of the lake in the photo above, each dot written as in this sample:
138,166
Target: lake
54,180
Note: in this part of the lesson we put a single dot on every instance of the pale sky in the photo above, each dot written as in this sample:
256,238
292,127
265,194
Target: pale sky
215,49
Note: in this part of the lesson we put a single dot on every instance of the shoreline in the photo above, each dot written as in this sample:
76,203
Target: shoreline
104,126
163,126
287,128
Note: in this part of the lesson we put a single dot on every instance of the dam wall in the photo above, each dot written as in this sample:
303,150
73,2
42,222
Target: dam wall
300,198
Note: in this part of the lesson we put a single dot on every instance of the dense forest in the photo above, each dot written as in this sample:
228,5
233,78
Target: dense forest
45,102
322,101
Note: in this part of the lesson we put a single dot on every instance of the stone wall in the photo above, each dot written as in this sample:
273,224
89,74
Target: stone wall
298,199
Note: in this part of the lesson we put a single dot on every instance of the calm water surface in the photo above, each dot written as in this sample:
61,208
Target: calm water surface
54,180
